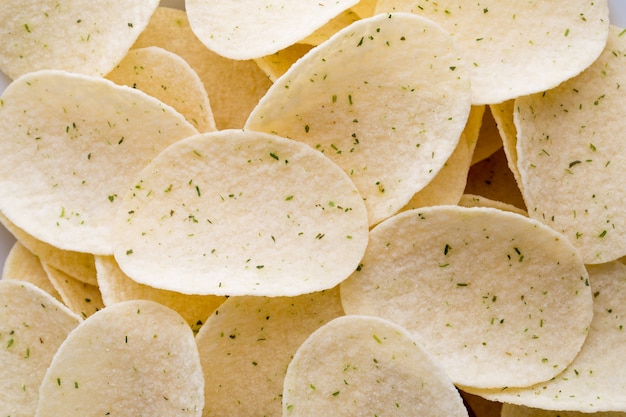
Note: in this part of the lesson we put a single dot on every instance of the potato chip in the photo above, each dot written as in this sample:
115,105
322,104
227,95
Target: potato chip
472,200
116,287
517,48
365,8
489,140
277,64
84,137
169,78
133,358
234,86
390,131
253,28
503,115
509,410
77,36
83,299
342,20
595,381
367,366
570,162
498,299
257,336
76,264
240,213
22,265
32,327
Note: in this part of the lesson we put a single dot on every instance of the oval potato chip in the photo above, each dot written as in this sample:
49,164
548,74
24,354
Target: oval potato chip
390,130
21,264
133,358
517,47
32,327
366,366
571,160
88,37
255,28
240,213
84,137
498,299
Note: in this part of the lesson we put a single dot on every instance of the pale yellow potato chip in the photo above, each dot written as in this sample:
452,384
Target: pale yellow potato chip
257,337
499,299
503,115
367,366
115,287
391,131
595,381
22,265
489,140
169,78
73,35
517,48
345,18
365,8
570,162
278,63
240,213
84,138
473,125
32,327
83,299
234,86
492,178
133,358
509,410
76,264
255,28
472,200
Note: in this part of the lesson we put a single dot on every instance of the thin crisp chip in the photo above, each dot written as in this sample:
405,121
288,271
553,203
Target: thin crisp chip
473,200
499,299
572,166
257,337
133,358
489,140
84,37
240,213
83,299
32,327
22,265
367,366
503,116
341,99
278,63
84,138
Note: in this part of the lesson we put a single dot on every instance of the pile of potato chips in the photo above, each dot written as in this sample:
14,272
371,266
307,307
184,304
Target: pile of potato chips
372,208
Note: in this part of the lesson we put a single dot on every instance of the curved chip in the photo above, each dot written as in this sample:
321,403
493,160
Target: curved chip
254,28
85,37
596,380
84,137
116,287
257,336
32,327
169,78
366,366
130,359
21,264
499,299
240,213
391,131
572,165
517,48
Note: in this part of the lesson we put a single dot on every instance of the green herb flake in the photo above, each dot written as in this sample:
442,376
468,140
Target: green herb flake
273,155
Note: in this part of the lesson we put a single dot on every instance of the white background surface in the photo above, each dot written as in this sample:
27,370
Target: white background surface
618,17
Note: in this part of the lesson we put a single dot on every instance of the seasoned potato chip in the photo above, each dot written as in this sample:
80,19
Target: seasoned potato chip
169,78
472,200
500,300
85,37
570,162
234,86
595,381
517,48
22,265
367,366
133,358
257,337
503,115
254,28
345,18
84,137
83,299
489,140
116,287
278,63
240,213
32,327
390,131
